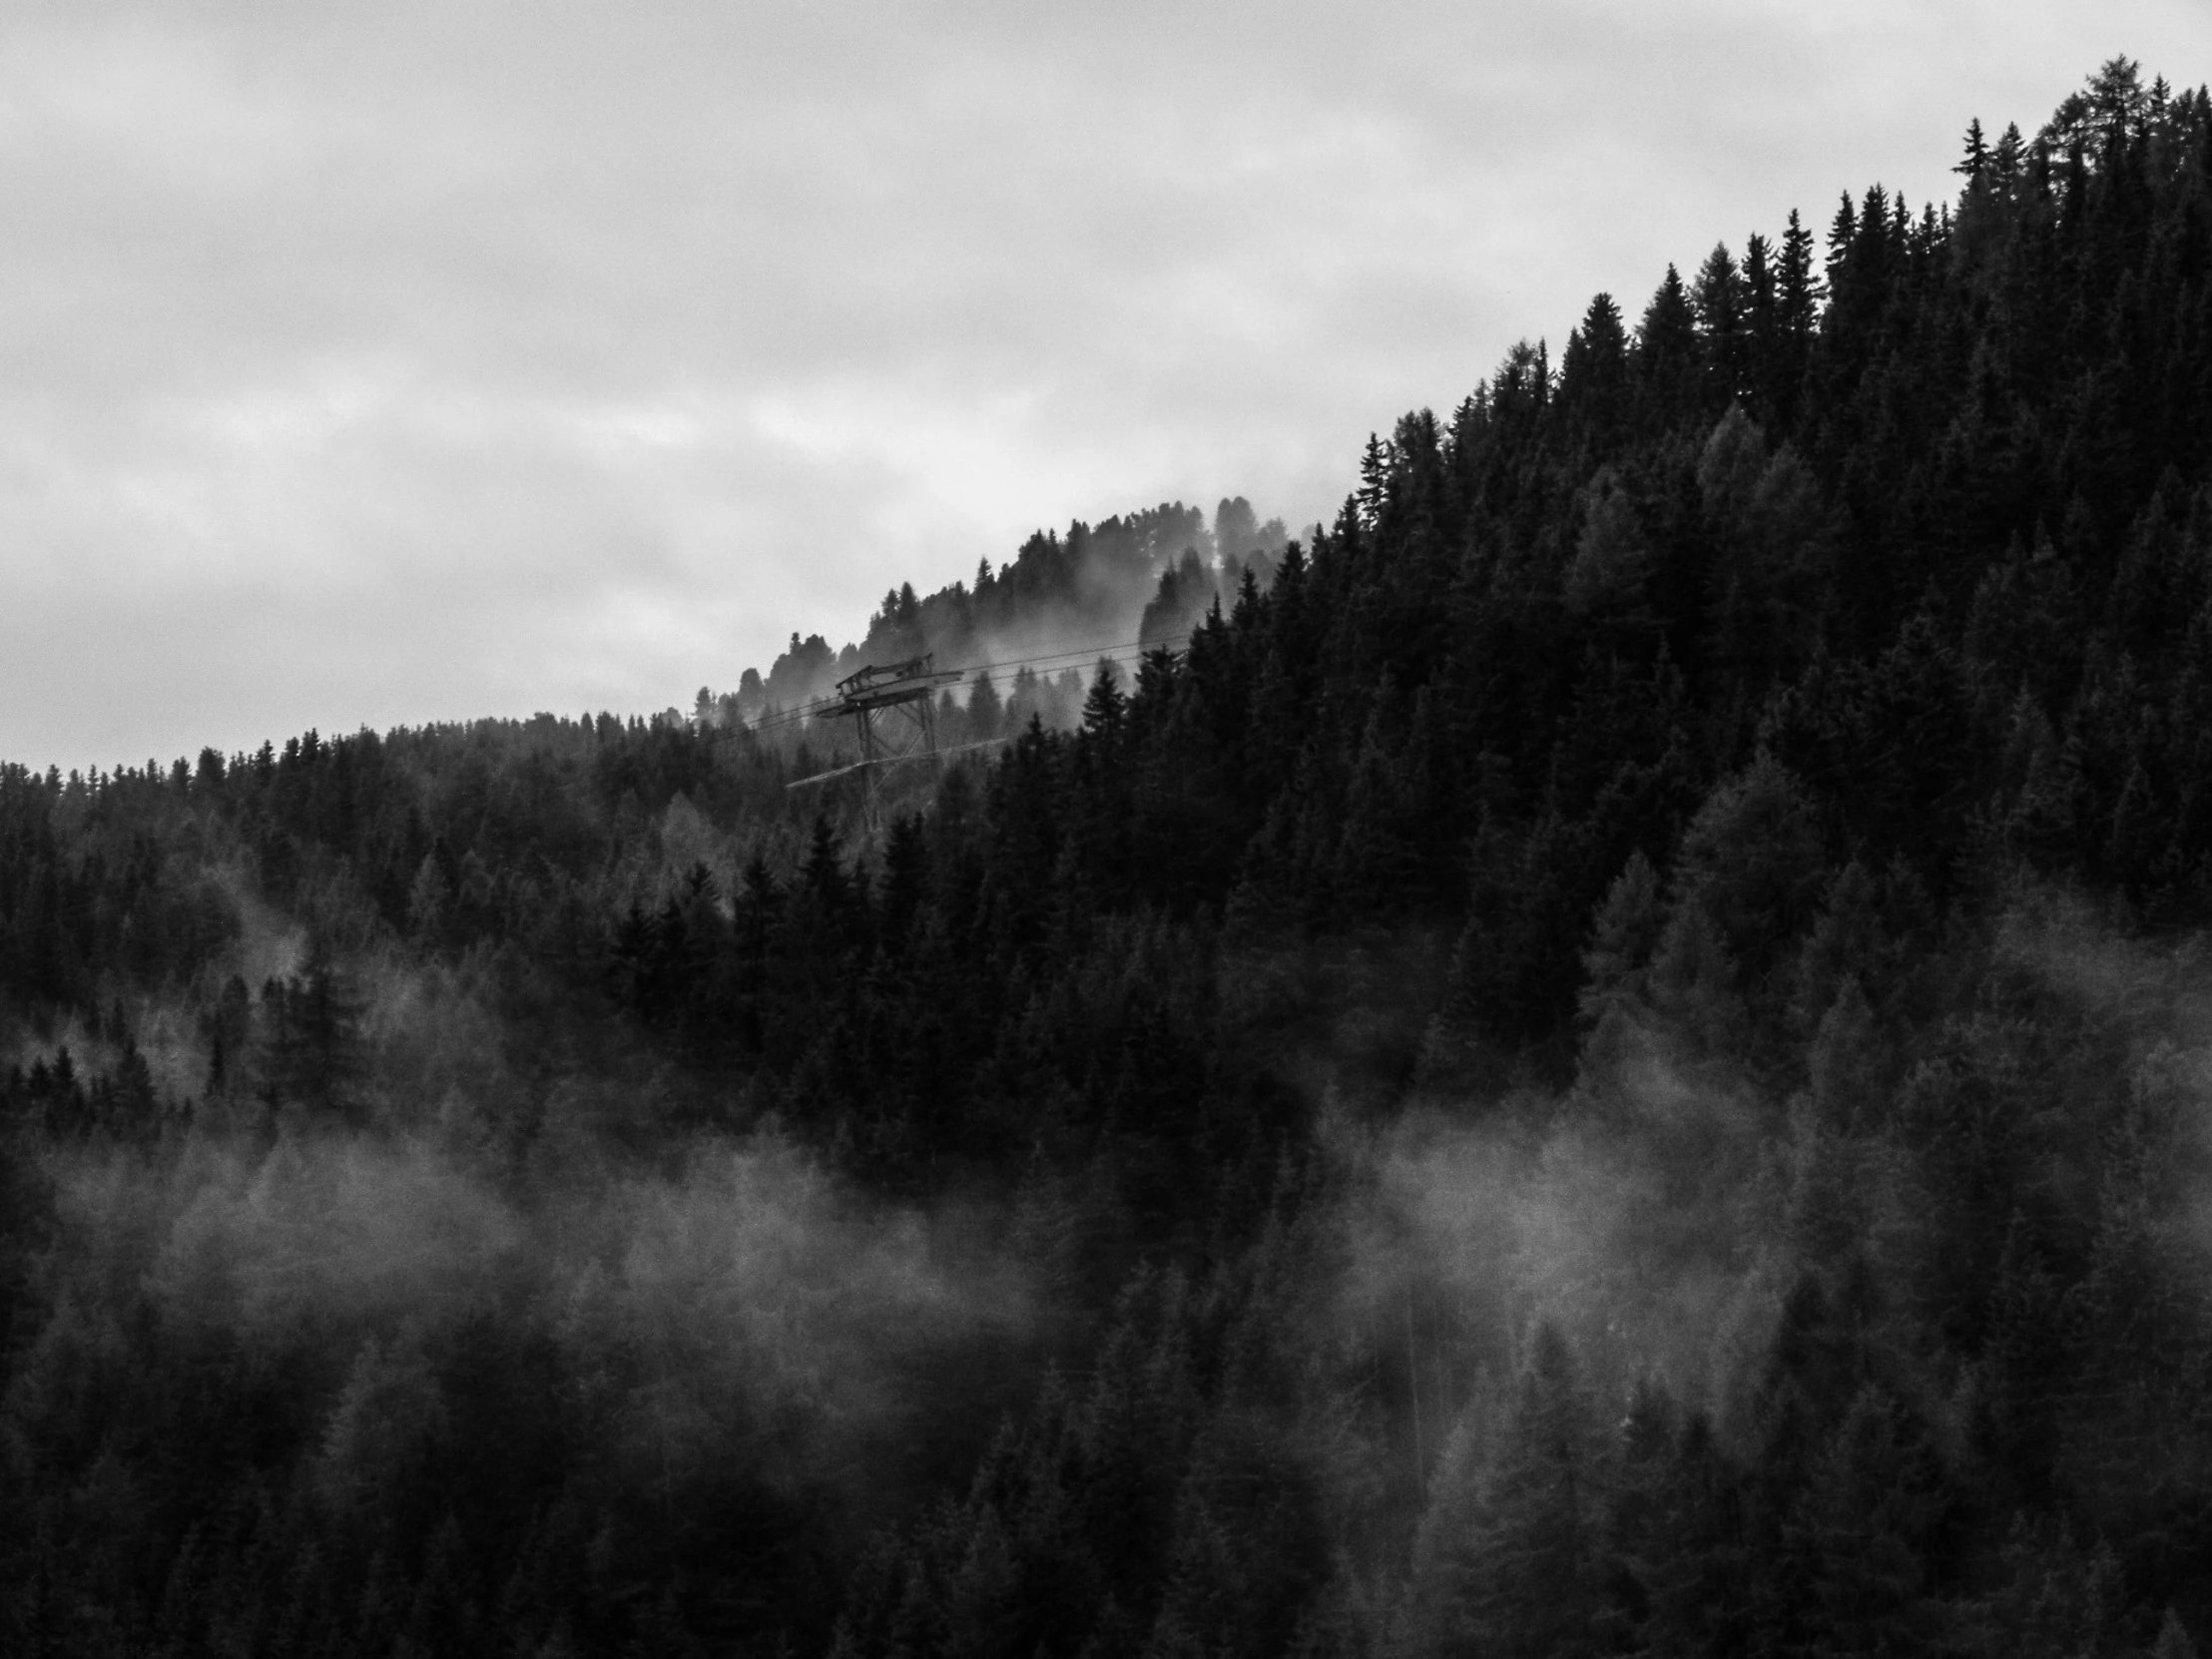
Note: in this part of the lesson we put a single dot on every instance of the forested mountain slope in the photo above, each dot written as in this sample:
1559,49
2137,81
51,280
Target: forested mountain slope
1612,1061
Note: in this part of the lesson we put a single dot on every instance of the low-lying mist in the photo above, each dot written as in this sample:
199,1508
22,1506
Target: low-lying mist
1661,1216
731,1313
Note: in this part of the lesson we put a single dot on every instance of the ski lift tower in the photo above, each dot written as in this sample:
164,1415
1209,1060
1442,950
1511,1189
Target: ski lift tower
893,709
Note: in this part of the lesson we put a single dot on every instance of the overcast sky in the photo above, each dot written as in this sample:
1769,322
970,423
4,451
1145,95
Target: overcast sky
378,364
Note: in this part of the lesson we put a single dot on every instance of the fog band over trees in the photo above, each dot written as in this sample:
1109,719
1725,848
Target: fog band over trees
1128,582
1609,1054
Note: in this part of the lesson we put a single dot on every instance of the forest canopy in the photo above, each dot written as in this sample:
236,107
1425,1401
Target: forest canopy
1607,1054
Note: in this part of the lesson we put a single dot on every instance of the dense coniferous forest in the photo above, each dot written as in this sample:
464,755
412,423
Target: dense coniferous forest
1609,1054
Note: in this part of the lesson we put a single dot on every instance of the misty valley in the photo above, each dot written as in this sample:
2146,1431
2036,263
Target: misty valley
1608,1054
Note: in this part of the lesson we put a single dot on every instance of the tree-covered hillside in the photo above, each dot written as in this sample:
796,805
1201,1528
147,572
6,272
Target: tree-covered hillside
1607,1056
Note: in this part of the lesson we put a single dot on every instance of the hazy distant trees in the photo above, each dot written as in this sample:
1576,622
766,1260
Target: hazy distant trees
1146,575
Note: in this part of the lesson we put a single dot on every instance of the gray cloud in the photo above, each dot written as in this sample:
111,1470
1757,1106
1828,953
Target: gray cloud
422,362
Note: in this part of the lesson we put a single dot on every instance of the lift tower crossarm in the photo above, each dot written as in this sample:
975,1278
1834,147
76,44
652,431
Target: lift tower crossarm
881,687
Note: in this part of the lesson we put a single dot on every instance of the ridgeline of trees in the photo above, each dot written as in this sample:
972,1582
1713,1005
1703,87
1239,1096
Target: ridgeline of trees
1608,1060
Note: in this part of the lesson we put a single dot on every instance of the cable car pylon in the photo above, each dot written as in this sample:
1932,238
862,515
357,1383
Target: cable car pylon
894,710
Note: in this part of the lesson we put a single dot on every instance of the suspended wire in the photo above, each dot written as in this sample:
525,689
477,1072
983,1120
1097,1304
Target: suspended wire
895,760
1123,655
1165,641
1074,657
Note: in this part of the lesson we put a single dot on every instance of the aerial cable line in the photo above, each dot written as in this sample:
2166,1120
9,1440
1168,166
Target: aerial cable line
894,760
892,706
1140,645
1112,652
1122,656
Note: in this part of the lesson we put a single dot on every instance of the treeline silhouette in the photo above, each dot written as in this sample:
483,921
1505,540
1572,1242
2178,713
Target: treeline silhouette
1609,1059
